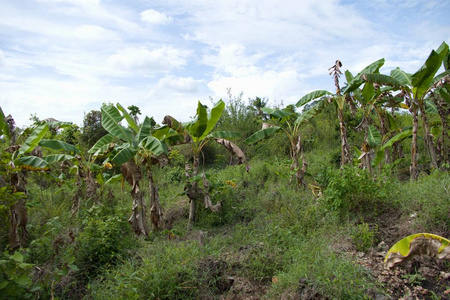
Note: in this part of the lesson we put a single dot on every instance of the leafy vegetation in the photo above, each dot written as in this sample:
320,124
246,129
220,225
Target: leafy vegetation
234,225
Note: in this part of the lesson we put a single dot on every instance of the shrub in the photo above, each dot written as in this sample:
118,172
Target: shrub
352,190
104,239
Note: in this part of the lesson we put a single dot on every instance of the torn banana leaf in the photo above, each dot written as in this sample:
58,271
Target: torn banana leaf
415,245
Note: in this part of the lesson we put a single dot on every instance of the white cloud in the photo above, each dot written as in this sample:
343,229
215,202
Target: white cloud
179,84
75,2
155,17
285,85
94,33
2,59
161,59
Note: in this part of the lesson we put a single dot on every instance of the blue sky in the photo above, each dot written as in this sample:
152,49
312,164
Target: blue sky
63,58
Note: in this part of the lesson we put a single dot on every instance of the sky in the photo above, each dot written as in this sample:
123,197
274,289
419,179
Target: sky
63,58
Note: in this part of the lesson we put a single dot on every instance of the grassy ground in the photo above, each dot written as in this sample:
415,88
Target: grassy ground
271,240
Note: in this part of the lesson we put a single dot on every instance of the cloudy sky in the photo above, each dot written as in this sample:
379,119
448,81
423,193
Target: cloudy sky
63,58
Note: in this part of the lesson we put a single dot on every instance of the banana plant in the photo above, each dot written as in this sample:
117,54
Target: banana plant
129,148
416,89
417,244
338,99
24,158
289,122
197,134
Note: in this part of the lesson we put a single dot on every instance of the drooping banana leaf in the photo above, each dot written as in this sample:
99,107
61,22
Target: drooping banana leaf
59,145
382,79
105,140
33,161
418,244
312,96
261,134
154,145
402,76
124,155
53,158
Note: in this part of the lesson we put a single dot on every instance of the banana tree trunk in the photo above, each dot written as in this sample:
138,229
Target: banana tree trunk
345,149
428,140
299,172
443,152
137,218
384,131
414,170
193,194
156,212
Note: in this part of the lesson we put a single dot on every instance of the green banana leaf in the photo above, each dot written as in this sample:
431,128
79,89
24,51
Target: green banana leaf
216,113
111,118
418,244
280,114
368,92
261,134
312,96
34,139
306,116
105,140
127,117
197,128
430,107
440,76
123,156
382,79
402,76
53,158
398,137
374,136
4,129
445,94
357,80
154,145
423,78
33,161
145,130
59,145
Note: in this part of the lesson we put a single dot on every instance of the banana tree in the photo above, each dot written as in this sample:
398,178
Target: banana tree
130,148
371,98
416,89
197,134
322,97
25,158
289,122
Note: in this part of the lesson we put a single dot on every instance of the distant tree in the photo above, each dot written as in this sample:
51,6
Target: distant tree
256,105
92,129
134,112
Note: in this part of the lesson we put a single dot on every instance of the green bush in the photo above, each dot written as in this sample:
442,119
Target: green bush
16,277
104,239
351,190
